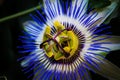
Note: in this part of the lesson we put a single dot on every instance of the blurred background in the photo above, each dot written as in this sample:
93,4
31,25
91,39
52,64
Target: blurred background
9,32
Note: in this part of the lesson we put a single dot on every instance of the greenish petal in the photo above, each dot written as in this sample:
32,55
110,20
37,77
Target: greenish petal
105,12
107,69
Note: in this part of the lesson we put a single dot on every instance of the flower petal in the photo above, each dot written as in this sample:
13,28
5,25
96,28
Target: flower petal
114,42
104,13
103,67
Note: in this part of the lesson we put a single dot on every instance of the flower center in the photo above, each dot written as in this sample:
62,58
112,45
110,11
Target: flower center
62,45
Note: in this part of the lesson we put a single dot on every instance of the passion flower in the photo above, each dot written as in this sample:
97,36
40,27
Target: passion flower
64,42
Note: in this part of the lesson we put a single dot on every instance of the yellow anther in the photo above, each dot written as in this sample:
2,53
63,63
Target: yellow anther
48,49
74,42
58,26
67,49
59,56
46,33
49,54
48,29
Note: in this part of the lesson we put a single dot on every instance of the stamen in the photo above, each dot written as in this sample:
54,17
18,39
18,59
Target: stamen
66,54
61,45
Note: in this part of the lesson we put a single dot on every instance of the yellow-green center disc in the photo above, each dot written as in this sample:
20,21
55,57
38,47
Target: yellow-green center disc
64,42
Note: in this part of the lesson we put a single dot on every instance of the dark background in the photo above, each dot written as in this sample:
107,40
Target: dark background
9,31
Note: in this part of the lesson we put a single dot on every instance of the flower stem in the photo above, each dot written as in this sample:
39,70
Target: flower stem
19,14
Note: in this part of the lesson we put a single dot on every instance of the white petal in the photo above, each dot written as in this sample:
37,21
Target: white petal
115,42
